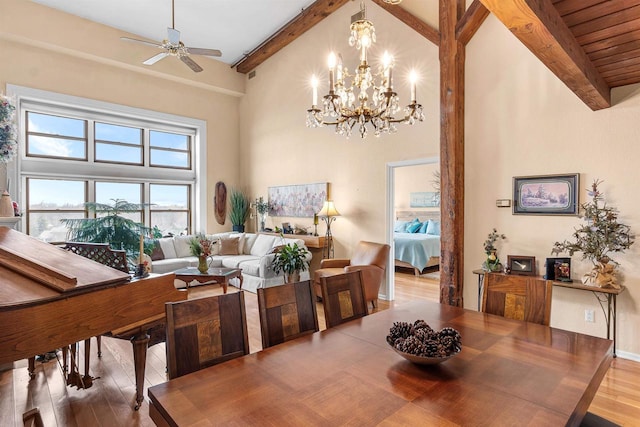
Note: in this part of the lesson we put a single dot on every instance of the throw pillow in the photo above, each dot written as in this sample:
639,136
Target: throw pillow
424,227
229,246
156,253
400,226
166,244
433,228
414,227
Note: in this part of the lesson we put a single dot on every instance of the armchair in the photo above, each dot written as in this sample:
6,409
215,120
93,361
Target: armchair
368,257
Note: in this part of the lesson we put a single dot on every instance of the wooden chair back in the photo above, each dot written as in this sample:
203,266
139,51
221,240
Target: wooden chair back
287,312
343,298
205,331
525,298
32,418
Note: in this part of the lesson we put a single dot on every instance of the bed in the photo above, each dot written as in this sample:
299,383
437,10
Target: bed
417,251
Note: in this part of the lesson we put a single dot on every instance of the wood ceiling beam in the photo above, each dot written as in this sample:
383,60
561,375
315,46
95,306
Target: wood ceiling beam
471,21
309,17
421,27
539,26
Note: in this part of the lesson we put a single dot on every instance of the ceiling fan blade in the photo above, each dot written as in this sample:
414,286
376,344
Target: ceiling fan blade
155,58
173,36
191,63
205,52
129,39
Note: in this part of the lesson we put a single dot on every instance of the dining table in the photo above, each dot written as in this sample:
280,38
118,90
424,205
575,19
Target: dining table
508,373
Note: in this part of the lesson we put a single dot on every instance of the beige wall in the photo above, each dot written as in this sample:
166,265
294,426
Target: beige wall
49,50
411,179
521,120
278,149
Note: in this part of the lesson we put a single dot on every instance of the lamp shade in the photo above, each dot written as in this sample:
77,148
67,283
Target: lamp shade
328,210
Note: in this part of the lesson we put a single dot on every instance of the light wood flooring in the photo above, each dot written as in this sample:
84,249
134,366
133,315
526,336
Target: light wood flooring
110,401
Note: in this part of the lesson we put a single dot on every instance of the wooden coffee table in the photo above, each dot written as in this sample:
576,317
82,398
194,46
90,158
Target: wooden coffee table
219,275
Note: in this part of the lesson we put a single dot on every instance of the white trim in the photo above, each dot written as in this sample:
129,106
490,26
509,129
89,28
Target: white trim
160,121
389,217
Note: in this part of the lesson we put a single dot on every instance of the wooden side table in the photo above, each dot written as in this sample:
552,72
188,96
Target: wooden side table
603,295
215,275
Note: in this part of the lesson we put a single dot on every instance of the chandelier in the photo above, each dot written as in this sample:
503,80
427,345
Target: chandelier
364,98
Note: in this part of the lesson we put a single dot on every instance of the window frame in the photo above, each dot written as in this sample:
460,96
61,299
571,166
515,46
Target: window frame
82,108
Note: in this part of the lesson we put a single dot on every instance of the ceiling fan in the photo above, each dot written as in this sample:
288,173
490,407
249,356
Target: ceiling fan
172,46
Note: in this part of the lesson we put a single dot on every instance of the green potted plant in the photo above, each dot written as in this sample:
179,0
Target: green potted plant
239,206
202,248
492,263
599,237
109,226
291,260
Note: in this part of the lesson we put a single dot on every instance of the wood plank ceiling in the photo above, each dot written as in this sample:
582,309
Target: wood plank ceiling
609,33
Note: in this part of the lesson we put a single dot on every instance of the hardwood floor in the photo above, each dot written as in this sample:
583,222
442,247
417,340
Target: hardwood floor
110,401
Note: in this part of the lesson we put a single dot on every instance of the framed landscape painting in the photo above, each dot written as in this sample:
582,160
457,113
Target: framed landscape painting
546,194
297,200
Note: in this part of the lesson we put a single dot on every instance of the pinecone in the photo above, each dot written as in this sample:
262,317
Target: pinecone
399,330
412,345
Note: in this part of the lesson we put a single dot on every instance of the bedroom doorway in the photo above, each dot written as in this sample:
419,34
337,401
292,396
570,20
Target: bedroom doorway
412,176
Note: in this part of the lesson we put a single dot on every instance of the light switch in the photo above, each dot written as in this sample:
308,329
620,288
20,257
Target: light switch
503,203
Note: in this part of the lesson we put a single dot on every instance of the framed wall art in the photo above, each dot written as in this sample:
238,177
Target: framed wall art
297,200
546,194
522,265
424,199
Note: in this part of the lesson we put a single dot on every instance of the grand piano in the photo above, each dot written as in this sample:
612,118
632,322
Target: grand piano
51,298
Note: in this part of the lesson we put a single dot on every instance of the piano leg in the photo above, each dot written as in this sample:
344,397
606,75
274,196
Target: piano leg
99,341
65,357
87,380
140,342
32,366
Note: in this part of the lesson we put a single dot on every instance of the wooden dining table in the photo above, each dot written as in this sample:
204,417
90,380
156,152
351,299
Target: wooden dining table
509,372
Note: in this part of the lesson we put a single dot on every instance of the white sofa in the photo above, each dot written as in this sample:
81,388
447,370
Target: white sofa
254,257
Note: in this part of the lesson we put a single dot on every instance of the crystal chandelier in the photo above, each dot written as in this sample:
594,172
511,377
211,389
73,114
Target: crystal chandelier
365,98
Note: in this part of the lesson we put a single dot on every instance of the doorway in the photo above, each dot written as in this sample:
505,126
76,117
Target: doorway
394,169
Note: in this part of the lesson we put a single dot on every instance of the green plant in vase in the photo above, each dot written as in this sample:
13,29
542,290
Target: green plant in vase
599,237
262,208
492,263
202,248
239,207
291,260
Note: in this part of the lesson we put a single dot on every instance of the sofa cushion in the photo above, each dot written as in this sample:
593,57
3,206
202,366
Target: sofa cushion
229,245
235,261
156,252
170,265
183,245
168,249
262,245
249,240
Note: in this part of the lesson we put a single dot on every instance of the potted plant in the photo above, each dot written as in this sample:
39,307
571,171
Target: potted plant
238,209
111,227
599,237
202,248
291,260
492,263
262,208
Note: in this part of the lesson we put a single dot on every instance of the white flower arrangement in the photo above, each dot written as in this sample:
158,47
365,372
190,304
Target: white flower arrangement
8,130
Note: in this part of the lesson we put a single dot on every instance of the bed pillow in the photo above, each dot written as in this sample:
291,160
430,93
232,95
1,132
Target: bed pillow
423,228
433,228
400,226
414,227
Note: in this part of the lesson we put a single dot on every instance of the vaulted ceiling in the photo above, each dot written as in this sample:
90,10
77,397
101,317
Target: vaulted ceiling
591,45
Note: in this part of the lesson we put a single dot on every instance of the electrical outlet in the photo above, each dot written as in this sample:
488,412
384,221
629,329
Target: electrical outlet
589,316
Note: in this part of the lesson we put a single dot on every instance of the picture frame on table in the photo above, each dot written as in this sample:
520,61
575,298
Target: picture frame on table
558,269
546,194
522,265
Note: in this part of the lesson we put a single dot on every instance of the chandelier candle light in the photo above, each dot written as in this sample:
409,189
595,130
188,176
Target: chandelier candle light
376,102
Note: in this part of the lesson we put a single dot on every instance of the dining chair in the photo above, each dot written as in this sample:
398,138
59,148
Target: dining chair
287,312
32,418
343,298
525,298
205,331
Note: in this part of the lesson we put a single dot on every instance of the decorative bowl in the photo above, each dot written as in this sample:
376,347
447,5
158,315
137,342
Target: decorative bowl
422,360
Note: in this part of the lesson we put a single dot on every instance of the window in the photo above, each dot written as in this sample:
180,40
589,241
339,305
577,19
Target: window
77,150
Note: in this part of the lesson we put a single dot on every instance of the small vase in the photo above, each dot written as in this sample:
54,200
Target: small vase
203,264
263,220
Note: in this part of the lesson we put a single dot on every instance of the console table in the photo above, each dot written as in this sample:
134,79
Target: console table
603,295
